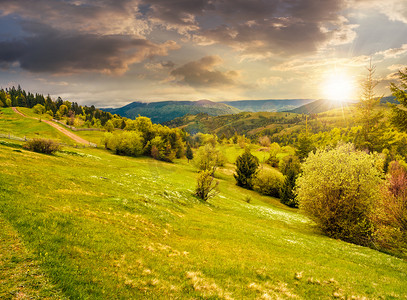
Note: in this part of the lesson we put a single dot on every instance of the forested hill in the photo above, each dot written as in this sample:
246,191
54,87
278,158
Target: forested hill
323,105
271,105
318,106
163,111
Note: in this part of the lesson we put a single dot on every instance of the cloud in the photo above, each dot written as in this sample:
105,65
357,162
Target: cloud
259,26
394,52
396,67
49,50
395,10
201,73
90,16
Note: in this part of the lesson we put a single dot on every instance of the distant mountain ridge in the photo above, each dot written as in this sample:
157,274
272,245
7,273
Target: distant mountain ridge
269,105
163,111
318,106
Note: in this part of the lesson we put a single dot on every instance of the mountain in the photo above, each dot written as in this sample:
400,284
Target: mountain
323,105
389,99
318,106
272,105
163,111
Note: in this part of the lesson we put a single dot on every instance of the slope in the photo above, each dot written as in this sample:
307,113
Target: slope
108,227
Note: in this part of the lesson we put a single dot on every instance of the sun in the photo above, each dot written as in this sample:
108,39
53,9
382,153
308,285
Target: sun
338,86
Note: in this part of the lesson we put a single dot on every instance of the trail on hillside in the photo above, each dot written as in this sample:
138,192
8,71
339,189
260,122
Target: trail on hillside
69,134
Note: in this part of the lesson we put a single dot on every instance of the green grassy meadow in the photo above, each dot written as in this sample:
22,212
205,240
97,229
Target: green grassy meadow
87,224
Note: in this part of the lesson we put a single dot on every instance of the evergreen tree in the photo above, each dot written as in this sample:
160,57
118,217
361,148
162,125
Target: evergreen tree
399,112
246,169
368,114
287,191
189,154
304,146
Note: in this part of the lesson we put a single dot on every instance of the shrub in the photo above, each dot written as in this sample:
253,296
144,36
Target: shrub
390,215
268,182
39,109
124,143
337,189
264,141
42,146
273,161
205,185
289,163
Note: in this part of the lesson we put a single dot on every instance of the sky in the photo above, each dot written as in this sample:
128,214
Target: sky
110,53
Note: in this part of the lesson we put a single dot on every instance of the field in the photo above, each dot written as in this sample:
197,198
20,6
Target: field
87,224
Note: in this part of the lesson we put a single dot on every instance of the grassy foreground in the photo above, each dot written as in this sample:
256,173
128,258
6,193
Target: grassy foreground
86,224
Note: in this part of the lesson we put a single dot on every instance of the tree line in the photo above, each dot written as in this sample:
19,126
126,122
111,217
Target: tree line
58,109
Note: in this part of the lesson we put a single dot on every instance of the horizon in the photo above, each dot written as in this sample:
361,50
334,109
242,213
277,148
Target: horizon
105,54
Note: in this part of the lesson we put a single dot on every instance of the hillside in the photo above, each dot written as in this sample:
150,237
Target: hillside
163,111
243,123
323,105
109,227
319,106
270,105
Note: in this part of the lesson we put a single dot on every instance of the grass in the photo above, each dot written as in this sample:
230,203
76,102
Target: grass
19,126
101,226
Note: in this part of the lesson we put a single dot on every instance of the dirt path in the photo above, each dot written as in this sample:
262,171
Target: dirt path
69,134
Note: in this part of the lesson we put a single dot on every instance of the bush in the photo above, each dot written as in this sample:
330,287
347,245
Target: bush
390,216
124,143
337,189
42,146
268,182
39,109
205,187
289,163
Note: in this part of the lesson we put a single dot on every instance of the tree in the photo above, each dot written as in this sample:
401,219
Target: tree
399,112
209,158
368,115
390,215
205,185
188,153
287,195
39,109
304,146
63,109
246,169
337,189
290,167
109,126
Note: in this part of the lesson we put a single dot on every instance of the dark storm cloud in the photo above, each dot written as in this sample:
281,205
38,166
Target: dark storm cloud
87,15
201,73
108,36
50,50
258,26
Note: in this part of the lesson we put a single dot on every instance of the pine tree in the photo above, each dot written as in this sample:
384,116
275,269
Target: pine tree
246,169
189,154
368,115
287,191
399,112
